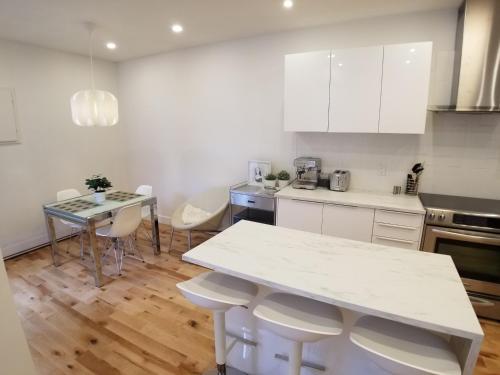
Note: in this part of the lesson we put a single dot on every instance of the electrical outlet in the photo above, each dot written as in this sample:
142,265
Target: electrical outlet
382,170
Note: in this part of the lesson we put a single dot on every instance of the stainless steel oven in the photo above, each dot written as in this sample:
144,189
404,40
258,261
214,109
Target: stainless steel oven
472,239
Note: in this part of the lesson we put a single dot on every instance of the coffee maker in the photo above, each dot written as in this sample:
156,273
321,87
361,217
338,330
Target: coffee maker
307,170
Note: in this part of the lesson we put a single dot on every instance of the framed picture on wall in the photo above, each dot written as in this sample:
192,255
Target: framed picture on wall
257,169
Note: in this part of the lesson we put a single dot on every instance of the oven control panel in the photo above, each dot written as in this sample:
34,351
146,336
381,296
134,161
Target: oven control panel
453,219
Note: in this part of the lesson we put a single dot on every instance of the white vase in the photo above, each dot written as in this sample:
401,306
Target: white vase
270,183
283,183
100,197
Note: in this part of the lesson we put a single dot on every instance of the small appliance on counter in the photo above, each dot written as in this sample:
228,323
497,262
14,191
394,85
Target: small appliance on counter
339,180
307,171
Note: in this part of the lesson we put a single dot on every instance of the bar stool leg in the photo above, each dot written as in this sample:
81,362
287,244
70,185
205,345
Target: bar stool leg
220,341
295,358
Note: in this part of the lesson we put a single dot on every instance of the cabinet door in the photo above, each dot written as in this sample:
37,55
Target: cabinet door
405,88
301,215
307,91
354,223
355,90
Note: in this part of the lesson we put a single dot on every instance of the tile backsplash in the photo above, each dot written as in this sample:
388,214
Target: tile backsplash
461,154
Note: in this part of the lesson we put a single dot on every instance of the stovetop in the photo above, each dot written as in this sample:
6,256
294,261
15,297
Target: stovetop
460,204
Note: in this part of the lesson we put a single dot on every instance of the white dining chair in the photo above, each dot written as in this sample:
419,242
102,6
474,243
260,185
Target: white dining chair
66,194
146,190
124,225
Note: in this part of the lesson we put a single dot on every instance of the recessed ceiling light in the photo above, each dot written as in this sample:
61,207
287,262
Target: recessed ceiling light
176,28
288,4
111,45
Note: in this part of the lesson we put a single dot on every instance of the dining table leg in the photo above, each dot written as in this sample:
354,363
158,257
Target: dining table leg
155,229
96,254
52,238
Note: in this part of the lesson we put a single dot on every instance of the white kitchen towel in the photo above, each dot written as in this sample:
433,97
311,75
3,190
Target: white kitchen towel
192,215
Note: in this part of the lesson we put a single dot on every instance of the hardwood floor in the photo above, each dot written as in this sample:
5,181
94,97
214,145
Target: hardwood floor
137,324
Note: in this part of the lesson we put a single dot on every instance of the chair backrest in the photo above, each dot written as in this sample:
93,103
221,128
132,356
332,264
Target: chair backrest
146,190
68,194
126,221
212,200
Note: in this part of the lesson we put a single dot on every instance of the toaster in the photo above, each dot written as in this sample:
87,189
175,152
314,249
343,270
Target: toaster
339,180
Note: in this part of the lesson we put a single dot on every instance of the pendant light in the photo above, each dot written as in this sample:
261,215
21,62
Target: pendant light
93,107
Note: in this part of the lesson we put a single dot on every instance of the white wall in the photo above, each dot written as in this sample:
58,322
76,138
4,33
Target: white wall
53,154
194,117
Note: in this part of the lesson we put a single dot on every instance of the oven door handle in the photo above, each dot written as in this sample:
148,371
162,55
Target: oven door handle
495,241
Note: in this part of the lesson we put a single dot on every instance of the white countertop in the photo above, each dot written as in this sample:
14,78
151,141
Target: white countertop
15,355
413,287
388,201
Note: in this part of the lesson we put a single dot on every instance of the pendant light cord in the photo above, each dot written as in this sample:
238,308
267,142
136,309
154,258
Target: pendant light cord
91,54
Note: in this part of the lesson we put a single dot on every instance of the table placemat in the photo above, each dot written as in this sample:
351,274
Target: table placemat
121,196
75,205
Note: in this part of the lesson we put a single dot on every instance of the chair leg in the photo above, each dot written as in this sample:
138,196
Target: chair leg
81,244
189,240
171,239
295,359
115,250
134,250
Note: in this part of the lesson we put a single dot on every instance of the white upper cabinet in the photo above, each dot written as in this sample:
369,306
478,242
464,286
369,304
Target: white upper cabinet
356,82
362,90
307,91
405,88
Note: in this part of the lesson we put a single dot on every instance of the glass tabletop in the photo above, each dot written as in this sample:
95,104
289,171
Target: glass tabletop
85,206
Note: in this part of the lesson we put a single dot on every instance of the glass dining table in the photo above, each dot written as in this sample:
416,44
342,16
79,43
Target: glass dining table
86,212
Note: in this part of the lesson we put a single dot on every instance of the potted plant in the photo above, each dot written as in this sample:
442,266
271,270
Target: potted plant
98,185
270,181
283,179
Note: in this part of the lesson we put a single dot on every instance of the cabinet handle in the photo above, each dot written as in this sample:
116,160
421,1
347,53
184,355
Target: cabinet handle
394,240
397,226
304,201
249,201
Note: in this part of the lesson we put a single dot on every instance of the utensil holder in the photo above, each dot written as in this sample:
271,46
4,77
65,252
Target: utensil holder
412,186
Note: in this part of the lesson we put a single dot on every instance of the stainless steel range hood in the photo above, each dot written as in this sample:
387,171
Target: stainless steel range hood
476,75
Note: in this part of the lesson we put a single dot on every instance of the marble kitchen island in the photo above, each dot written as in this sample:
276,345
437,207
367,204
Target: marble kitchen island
417,288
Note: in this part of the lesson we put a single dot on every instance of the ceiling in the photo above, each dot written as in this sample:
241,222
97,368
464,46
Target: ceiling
142,27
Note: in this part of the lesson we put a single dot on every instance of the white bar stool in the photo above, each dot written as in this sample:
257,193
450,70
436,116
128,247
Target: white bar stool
300,320
219,292
393,346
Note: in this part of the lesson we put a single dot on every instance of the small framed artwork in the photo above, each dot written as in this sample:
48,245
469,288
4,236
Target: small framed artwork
257,169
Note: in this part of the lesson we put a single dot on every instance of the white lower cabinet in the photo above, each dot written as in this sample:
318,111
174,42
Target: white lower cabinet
301,215
354,223
384,227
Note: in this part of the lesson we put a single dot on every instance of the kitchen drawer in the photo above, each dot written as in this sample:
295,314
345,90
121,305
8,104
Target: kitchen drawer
401,232
399,218
394,242
246,200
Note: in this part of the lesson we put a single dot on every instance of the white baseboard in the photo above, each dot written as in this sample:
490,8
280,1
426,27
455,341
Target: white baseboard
29,242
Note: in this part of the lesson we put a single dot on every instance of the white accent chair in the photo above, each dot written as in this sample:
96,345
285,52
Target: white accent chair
219,292
400,348
125,223
299,320
215,201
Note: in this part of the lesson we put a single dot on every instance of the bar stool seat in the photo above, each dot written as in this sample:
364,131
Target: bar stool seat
219,292
414,348
299,320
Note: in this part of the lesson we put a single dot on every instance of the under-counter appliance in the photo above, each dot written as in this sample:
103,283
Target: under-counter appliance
307,170
468,229
252,203
339,180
